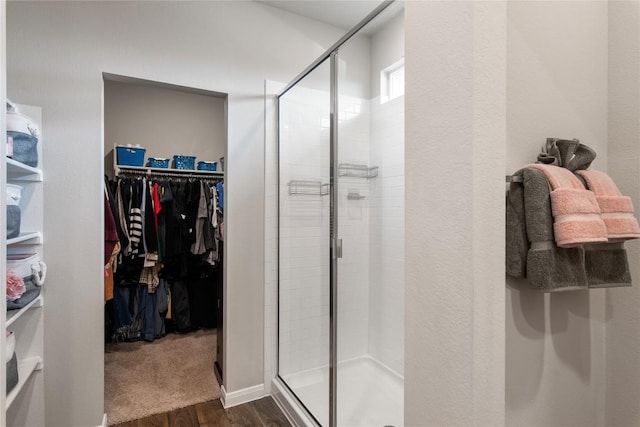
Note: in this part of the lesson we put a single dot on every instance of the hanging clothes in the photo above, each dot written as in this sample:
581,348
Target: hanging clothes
169,231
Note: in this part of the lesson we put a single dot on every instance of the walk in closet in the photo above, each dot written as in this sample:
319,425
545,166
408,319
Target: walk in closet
164,245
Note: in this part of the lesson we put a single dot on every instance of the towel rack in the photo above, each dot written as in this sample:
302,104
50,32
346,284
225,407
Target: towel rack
513,178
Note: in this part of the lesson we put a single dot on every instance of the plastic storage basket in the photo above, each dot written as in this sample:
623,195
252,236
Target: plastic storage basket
130,156
207,166
14,214
184,162
155,162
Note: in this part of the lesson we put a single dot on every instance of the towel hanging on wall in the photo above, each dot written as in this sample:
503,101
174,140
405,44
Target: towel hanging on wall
616,209
575,209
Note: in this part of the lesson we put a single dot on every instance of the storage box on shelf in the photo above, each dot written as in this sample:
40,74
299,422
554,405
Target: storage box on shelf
184,162
207,166
130,155
13,196
155,162
22,135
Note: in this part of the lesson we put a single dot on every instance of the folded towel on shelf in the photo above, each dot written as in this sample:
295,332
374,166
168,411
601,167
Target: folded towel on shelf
616,209
531,251
576,213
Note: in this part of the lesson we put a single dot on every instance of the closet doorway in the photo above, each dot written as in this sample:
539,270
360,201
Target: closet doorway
164,151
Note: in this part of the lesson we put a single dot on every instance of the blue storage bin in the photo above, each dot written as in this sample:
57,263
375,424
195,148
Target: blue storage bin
25,148
207,166
130,156
154,162
184,162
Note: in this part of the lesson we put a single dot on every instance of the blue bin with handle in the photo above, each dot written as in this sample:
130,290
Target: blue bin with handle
207,166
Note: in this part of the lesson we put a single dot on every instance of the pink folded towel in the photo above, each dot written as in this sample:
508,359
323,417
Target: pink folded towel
616,209
576,213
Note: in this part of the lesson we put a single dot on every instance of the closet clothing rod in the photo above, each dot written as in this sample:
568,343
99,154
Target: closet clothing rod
179,173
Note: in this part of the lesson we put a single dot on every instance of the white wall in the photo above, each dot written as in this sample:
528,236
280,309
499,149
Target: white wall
623,160
165,121
557,87
57,52
454,199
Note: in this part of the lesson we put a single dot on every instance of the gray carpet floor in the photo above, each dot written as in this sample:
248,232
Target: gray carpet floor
142,379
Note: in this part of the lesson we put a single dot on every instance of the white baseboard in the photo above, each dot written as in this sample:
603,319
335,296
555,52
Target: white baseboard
244,395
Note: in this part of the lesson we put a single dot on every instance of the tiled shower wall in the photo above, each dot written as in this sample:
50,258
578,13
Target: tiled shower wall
371,270
386,276
353,229
304,232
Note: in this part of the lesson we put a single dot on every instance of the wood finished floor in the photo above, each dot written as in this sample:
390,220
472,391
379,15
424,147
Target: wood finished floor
259,413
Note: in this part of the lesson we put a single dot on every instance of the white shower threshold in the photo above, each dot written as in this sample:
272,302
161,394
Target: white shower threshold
369,394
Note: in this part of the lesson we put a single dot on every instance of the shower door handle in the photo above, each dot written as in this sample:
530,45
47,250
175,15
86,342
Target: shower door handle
337,247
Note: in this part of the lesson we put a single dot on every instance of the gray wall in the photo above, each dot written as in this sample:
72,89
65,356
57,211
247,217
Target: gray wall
557,86
165,121
57,52
622,314
455,130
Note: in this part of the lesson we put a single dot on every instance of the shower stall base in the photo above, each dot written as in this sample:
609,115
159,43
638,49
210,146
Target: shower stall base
370,394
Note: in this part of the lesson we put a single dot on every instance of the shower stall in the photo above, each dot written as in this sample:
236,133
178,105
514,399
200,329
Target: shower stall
340,352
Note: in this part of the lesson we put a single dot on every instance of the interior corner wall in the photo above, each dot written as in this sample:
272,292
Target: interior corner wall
455,145
622,314
557,87
56,54
166,121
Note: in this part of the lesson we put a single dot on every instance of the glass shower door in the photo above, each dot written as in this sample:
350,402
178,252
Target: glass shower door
370,214
304,249
341,229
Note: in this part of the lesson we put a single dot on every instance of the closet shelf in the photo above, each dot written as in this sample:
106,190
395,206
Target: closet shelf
14,315
27,237
308,188
17,171
119,170
357,171
25,368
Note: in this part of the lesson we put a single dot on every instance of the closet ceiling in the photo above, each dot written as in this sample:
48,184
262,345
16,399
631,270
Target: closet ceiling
340,13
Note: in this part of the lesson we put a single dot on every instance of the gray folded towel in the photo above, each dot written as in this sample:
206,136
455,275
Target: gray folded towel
607,265
567,153
531,249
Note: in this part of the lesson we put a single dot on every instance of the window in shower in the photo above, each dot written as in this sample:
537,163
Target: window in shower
392,81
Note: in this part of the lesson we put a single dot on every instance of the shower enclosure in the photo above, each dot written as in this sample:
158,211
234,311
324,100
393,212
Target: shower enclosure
341,229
